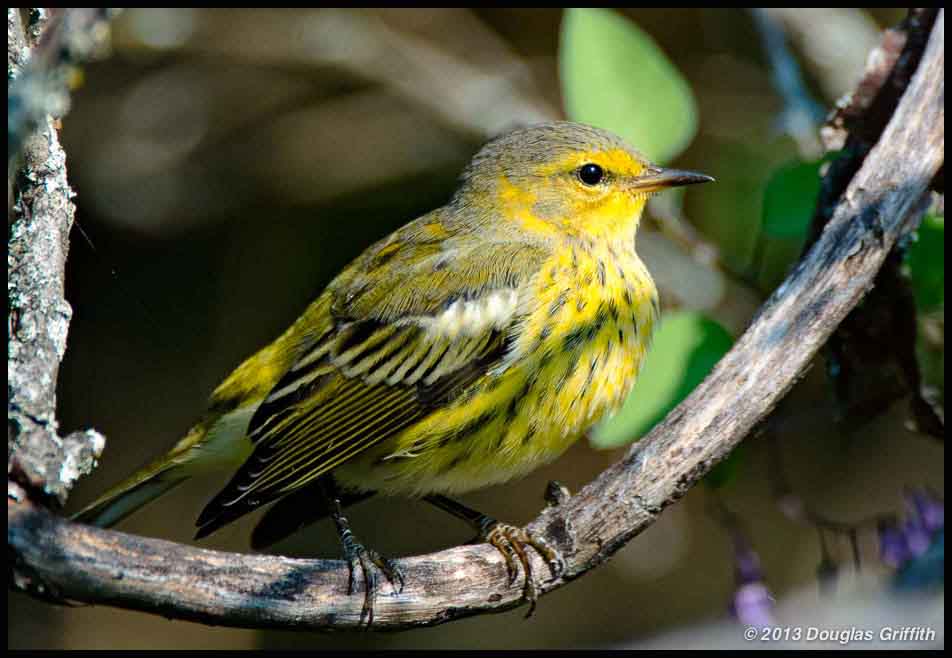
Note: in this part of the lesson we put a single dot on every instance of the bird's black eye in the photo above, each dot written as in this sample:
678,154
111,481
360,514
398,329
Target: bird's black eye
591,174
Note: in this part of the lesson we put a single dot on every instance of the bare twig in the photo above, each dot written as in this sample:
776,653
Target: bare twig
43,80
832,42
801,113
883,201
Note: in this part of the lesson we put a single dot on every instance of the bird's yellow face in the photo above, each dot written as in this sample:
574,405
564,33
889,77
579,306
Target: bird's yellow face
591,193
574,181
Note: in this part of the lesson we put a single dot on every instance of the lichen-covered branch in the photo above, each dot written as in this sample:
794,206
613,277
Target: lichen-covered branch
41,215
44,53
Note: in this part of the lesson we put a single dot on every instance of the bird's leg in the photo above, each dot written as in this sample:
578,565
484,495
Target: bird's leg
307,505
357,554
509,540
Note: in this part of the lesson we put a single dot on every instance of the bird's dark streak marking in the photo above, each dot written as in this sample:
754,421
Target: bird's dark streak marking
553,272
574,356
621,273
545,359
656,305
499,438
574,259
586,332
588,380
621,335
530,432
512,410
527,437
602,276
613,311
559,302
580,304
454,463
574,338
627,297
508,343
471,427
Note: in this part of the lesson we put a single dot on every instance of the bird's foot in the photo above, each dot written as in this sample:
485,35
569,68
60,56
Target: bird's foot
369,561
512,541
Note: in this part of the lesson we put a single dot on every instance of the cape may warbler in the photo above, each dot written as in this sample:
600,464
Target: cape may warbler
466,349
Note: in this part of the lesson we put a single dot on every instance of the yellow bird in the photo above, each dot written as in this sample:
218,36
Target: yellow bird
467,348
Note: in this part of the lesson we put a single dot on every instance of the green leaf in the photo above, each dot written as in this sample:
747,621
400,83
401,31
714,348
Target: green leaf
790,199
926,260
685,349
789,202
614,76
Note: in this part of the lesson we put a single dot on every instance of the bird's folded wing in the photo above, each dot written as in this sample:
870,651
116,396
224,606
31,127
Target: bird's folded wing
369,378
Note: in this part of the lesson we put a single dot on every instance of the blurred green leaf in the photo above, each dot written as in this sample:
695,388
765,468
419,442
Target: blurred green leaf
926,261
790,199
729,212
685,349
614,76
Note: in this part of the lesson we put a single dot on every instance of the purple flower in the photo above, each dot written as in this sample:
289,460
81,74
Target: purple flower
917,537
752,605
900,543
746,563
893,547
927,508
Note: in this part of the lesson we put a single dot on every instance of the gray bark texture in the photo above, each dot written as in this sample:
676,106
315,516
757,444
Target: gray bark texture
38,316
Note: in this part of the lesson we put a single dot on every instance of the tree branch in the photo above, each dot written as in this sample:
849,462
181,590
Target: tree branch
38,242
883,201
872,354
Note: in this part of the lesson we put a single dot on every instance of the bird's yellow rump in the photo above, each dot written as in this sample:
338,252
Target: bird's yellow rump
469,347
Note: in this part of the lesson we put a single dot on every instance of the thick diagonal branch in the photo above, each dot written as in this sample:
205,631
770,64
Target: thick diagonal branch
884,200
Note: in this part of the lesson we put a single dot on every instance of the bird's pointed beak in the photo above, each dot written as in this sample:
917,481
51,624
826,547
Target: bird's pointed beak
658,178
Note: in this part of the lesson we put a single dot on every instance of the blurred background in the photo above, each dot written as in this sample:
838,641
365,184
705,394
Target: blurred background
227,163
